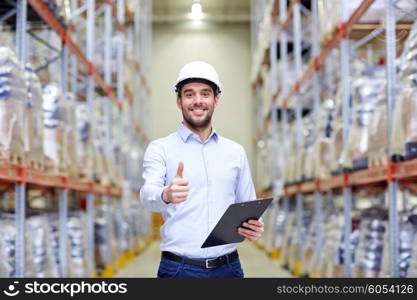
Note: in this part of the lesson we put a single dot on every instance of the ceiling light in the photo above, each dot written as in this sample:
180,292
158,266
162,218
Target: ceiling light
197,11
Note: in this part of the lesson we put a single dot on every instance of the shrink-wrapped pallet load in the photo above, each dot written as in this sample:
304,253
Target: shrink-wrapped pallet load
40,247
84,148
321,150
404,137
54,143
33,121
307,159
13,94
77,236
105,244
373,228
407,241
365,90
70,135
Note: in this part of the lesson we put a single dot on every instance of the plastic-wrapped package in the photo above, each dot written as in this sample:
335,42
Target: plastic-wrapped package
83,143
33,120
54,130
104,238
99,130
8,248
336,139
328,264
290,226
373,228
322,154
76,230
53,228
291,163
405,122
407,238
279,227
70,135
269,220
366,88
122,230
296,253
307,159
377,132
13,92
40,248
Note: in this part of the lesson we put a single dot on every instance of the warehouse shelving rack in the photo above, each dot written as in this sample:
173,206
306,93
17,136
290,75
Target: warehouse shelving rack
81,64
389,175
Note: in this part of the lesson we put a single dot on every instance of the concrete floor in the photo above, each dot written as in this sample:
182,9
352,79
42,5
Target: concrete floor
255,263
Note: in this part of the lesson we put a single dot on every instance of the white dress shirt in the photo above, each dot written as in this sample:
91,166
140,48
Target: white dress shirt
218,174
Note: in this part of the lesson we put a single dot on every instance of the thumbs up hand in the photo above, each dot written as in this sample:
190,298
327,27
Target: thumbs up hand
177,191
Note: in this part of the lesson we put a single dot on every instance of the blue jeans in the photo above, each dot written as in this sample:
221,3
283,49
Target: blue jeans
172,269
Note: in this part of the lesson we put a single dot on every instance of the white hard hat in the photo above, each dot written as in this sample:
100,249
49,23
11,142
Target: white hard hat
198,70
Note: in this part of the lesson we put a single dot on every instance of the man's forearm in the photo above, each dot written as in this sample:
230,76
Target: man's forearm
151,197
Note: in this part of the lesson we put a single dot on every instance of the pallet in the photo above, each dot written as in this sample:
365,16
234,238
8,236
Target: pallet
53,167
377,160
12,158
35,165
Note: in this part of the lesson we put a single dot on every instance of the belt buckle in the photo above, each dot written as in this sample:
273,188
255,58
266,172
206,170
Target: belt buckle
208,263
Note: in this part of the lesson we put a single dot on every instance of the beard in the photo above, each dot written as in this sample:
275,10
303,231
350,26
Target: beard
201,123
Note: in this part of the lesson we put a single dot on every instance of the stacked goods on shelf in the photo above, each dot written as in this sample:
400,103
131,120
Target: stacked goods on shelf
54,143
313,257
296,246
314,245
53,230
307,155
373,228
70,133
321,155
8,248
83,143
328,264
377,132
279,230
13,92
40,247
336,139
122,229
33,121
77,236
136,221
290,164
404,132
365,89
269,220
261,35
99,125
288,238
104,240
407,241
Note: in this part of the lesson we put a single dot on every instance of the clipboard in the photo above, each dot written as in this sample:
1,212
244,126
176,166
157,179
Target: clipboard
225,231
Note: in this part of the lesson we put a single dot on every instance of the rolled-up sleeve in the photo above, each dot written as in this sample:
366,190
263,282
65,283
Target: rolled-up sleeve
154,175
245,189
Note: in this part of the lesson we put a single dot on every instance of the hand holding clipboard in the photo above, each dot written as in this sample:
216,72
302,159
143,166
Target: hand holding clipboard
227,229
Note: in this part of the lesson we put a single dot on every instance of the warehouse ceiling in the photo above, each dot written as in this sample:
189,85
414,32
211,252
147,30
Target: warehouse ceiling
214,10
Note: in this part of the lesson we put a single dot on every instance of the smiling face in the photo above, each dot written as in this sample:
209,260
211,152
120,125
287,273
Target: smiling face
197,102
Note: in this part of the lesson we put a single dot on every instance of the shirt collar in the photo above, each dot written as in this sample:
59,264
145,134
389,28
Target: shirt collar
185,133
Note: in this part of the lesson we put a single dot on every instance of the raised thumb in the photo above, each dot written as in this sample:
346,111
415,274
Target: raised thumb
180,169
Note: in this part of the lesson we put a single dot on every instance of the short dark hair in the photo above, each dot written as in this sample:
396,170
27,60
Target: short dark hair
213,86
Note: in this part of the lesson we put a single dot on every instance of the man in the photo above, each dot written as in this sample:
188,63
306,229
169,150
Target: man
191,177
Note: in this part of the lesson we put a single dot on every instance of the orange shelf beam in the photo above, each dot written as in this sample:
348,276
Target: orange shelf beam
400,171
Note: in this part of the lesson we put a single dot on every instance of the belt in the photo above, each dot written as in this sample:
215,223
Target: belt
205,263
